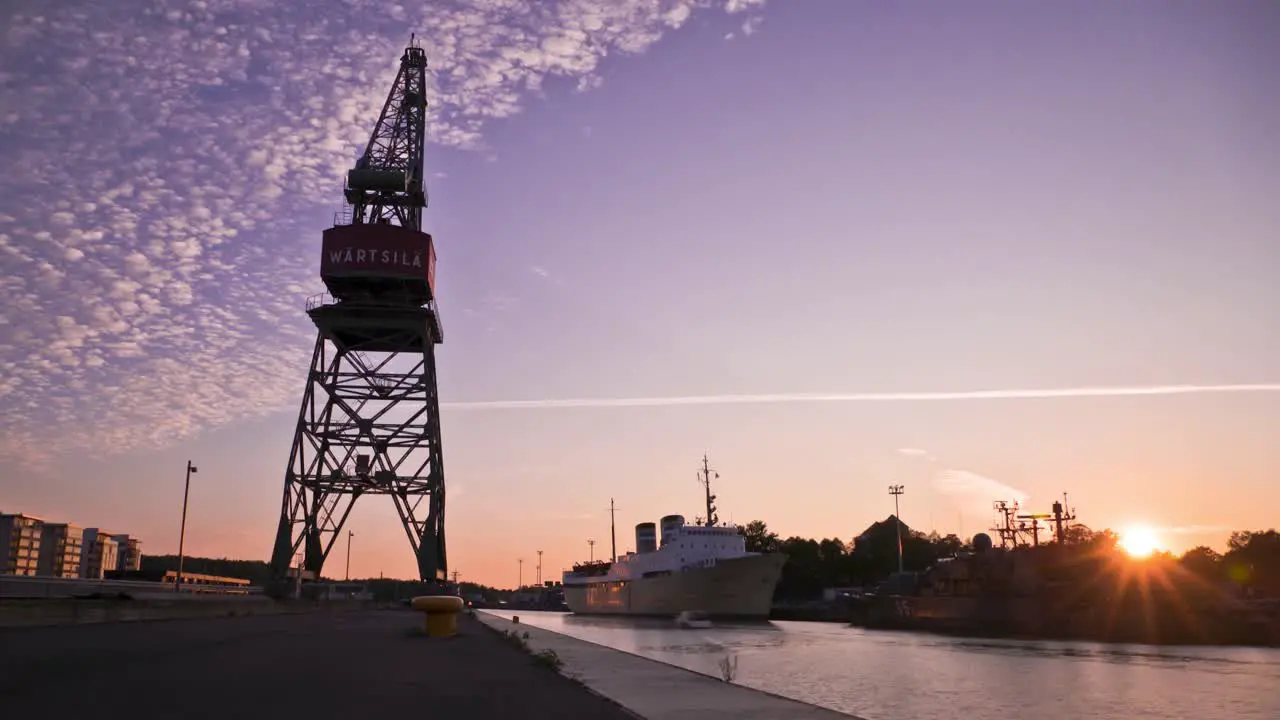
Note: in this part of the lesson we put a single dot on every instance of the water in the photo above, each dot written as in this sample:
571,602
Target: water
907,676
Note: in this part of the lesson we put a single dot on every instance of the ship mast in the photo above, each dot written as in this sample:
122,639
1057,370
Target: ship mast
704,478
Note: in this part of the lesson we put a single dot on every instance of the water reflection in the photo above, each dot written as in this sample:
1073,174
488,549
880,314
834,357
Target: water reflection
905,676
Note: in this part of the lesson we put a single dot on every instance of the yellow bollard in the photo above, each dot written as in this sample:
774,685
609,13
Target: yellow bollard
442,613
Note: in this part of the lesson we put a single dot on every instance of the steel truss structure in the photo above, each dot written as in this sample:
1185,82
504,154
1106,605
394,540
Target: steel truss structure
366,428
370,417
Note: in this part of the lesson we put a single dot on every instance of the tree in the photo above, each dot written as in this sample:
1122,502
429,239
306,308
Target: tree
758,537
1077,535
1203,562
1253,559
802,577
1103,539
945,545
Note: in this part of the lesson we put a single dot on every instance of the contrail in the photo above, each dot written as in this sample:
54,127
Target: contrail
1030,394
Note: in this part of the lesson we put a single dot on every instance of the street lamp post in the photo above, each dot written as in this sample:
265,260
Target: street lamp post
297,581
348,572
520,581
592,556
182,533
539,568
896,491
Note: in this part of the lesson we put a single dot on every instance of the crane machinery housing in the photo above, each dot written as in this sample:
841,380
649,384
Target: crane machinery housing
370,417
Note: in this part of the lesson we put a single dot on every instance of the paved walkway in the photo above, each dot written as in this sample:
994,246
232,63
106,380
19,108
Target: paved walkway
658,691
318,665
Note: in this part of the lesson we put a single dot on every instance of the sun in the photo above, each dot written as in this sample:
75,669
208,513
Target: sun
1139,541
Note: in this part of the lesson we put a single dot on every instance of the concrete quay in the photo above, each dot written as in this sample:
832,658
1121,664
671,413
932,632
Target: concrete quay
657,691
358,664
66,611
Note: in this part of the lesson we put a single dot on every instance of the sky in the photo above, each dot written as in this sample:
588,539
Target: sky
795,236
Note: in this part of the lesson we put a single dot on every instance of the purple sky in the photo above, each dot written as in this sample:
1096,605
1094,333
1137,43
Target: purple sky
657,200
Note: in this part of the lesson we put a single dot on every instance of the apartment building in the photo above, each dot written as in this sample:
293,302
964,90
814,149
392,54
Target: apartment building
60,550
20,537
130,553
101,554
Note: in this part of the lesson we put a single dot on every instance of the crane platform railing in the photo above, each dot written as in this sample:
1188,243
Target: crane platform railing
320,300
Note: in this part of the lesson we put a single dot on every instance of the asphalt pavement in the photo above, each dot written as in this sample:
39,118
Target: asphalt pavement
355,664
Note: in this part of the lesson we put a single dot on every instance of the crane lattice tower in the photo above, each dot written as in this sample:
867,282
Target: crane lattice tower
370,417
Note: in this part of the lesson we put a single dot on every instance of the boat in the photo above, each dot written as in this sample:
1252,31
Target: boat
704,565
986,590
693,620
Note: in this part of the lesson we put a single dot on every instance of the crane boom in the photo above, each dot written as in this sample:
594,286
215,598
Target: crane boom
386,185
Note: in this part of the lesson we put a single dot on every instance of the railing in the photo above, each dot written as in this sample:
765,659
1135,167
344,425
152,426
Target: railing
320,300
325,300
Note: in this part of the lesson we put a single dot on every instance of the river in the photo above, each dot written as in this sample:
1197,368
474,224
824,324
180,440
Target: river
881,675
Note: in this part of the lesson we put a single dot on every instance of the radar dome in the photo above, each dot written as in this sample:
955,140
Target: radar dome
981,542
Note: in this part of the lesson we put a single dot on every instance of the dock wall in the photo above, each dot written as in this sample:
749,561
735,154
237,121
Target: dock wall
655,690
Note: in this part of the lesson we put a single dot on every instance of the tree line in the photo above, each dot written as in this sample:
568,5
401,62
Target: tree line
153,567
1251,561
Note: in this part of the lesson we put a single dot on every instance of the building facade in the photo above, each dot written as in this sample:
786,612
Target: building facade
101,554
20,537
130,553
60,550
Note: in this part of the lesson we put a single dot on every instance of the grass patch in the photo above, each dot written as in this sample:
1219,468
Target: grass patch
728,667
550,659
546,658
518,640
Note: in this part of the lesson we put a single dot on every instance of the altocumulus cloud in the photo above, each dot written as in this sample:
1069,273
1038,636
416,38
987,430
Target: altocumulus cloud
157,152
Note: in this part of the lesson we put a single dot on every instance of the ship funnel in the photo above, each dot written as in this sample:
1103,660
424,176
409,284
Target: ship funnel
671,525
646,537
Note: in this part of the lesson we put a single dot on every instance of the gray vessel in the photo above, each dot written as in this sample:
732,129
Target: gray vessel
703,567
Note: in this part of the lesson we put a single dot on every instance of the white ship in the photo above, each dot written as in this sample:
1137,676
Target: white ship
701,568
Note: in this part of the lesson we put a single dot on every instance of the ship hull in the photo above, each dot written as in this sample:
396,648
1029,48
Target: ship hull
737,588
953,614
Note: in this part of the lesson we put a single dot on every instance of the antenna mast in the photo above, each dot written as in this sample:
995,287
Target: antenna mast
704,477
1063,515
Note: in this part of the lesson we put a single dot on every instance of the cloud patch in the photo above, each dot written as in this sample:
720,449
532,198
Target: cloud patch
176,162
974,491
970,491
